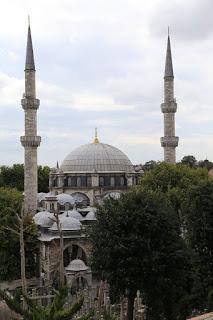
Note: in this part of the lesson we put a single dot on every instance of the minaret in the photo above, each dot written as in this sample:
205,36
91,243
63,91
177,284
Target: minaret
30,141
169,142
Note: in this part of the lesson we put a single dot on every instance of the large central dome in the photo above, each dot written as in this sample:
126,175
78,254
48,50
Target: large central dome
97,157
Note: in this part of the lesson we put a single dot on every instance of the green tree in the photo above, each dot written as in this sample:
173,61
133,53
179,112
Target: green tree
198,210
173,180
55,311
149,165
189,161
13,177
43,178
10,204
205,164
137,246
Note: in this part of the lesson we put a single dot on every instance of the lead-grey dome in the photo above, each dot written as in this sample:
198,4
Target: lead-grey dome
97,157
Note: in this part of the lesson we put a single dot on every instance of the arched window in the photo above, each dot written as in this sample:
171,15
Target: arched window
83,181
101,181
78,181
89,181
69,181
122,181
112,181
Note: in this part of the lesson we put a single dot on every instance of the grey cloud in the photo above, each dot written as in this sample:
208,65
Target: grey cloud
189,20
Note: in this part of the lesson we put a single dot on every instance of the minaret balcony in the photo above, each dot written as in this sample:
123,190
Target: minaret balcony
30,103
33,141
169,107
169,141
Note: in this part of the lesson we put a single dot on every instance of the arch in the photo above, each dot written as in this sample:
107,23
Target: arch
81,197
74,250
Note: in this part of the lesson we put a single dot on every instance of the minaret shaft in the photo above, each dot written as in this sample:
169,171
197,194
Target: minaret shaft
169,142
30,141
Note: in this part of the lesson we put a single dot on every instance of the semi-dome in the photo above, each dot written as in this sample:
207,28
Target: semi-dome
97,157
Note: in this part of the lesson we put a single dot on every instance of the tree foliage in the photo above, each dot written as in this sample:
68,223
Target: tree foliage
199,217
13,177
137,246
10,204
55,311
173,180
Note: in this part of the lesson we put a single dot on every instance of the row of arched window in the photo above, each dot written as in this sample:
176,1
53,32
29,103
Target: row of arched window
86,181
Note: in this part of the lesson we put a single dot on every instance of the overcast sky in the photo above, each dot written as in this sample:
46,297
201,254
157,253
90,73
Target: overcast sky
100,63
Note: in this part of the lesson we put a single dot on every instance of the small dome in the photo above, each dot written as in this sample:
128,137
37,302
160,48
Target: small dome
97,157
41,196
90,216
67,223
76,265
44,219
74,214
63,198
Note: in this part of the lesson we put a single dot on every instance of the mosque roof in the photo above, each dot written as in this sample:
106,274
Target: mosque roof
97,157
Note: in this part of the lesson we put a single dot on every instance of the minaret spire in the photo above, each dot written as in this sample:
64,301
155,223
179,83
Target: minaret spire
168,64
29,64
30,141
169,142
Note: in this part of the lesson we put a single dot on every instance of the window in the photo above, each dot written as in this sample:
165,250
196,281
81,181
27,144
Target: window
117,181
83,181
112,181
73,181
78,181
122,181
101,181
89,182
107,181
69,181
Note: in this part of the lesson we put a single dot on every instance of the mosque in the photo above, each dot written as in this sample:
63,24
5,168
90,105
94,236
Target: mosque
87,176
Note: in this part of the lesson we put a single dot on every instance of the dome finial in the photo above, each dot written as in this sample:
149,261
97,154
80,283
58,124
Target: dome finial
96,136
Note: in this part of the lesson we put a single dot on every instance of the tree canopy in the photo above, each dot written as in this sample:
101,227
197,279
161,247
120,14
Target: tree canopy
173,180
137,246
10,205
13,177
199,217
